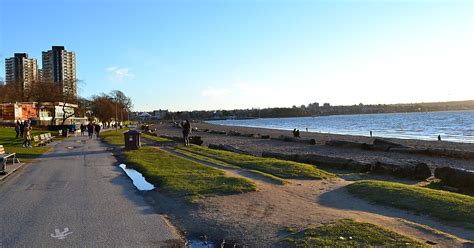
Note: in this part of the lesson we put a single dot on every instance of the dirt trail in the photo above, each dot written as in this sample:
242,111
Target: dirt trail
259,219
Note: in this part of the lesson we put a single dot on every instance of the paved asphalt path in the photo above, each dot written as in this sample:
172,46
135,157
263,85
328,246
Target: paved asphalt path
78,186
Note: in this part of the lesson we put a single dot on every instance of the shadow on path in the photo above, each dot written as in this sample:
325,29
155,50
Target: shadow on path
71,154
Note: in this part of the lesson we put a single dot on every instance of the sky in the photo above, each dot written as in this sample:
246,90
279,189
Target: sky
234,54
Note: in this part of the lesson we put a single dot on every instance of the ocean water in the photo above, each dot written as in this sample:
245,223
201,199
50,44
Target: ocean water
456,126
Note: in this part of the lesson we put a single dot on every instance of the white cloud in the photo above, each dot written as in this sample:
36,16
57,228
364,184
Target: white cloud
118,74
213,92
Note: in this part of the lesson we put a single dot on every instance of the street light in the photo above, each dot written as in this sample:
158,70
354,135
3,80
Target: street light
116,126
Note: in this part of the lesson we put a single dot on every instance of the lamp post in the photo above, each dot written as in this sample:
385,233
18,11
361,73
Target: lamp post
116,126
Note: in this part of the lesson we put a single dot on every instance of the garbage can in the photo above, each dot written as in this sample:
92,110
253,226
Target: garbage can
132,140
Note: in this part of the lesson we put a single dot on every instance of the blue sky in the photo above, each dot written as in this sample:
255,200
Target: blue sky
186,55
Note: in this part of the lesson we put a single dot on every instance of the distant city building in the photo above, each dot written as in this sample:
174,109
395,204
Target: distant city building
21,71
59,66
40,75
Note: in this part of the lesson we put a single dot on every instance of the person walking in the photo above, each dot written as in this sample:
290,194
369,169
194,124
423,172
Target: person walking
73,128
186,132
83,129
90,130
17,129
27,134
97,130
22,128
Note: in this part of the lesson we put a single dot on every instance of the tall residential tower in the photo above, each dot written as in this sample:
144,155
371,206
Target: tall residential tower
59,66
21,71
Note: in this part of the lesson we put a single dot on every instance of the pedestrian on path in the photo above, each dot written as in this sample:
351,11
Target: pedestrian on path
97,130
17,129
22,128
73,128
186,132
27,134
90,130
83,129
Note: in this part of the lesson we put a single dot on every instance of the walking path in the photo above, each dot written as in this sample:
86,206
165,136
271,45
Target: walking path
76,196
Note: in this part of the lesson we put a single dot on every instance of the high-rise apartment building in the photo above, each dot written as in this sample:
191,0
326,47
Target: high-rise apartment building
21,71
59,66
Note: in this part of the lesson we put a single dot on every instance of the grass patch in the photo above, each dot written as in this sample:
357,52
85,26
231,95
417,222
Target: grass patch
182,176
113,137
206,159
444,205
273,178
13,145
157,139
276,167
348,233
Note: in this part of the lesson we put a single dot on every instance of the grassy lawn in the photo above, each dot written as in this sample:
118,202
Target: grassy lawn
273,178
348,233
157,139
184,177
275,167
114,137
448,206
7,139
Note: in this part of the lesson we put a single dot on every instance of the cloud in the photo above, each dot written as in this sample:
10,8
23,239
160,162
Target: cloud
118,74
213,92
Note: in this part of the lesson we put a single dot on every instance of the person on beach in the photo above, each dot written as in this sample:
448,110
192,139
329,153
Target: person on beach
97,130
186,132
17,129
439,137
90,130
294,132
27,134
370,133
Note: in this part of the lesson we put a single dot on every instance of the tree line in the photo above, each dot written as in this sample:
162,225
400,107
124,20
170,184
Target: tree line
314,109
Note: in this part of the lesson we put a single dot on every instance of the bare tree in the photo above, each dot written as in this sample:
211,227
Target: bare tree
124,103
103,107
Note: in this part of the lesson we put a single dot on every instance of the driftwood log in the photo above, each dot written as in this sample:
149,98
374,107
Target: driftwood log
456,177
410,169
321,160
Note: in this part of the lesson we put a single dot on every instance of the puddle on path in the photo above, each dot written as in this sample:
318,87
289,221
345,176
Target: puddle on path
137,178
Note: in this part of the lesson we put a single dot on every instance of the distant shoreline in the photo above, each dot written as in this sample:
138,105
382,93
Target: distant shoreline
406,112
387,125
